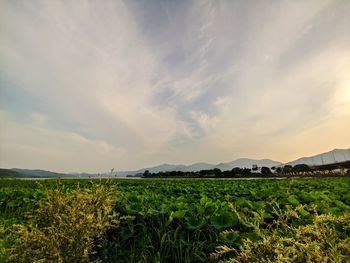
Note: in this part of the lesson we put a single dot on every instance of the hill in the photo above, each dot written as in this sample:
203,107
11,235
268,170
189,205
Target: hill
7,173
39,173
334,156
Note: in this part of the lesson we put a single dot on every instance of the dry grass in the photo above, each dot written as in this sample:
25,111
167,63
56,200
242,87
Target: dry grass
65,226
326,239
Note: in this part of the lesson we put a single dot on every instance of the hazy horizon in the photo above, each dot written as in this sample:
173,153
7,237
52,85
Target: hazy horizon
94,85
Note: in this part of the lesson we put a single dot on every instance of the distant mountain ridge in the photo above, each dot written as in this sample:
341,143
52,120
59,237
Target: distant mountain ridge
8,173
39,173
336,155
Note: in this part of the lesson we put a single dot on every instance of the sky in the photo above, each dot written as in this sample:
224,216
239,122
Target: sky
95,85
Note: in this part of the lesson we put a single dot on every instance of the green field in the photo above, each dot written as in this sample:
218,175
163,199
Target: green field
178,220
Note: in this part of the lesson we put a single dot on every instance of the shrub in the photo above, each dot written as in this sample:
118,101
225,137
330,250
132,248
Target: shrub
65,227
326,239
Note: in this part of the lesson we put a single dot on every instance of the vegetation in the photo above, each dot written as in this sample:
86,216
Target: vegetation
8,173
64,226
236,172
174,220
324,239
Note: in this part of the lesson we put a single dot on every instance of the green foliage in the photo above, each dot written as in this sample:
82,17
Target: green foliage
301,168
223,220
293,200
266,171
326,238
8,173
287,169
175,220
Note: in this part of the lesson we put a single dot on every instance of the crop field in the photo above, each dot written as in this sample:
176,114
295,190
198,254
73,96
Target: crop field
194,220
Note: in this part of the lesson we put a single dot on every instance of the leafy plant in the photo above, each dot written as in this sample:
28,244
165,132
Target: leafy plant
171,220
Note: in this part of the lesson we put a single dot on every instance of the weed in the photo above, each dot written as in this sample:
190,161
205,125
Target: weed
325,239
65,226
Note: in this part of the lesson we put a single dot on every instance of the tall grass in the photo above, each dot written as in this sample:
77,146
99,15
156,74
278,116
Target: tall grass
325,238
66,226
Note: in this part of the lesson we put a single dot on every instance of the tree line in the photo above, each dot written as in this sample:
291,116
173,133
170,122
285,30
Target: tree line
236,172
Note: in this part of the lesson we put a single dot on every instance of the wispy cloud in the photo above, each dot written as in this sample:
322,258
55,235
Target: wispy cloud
126,84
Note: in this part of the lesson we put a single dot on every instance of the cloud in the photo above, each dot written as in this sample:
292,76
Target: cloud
171,81
25,145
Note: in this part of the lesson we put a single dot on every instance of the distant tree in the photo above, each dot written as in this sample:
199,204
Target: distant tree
146,173
278,170
196,174
237,171
246,171
265,170
287,169
216,172
205,172
301,168
176,173
227,174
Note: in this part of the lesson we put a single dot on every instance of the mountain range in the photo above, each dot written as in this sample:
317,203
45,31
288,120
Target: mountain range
336,155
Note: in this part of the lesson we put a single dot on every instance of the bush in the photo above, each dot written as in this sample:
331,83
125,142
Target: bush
66,226
326,239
